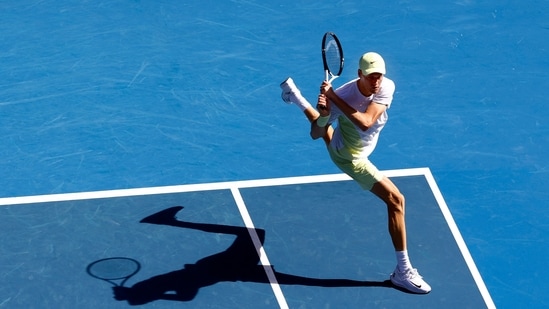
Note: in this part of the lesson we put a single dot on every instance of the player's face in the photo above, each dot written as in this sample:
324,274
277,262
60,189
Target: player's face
372,82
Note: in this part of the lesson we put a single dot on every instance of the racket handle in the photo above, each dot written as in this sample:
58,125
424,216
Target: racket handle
326,77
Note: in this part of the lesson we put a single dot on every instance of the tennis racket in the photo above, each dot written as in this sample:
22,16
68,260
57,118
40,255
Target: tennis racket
332,56
113,270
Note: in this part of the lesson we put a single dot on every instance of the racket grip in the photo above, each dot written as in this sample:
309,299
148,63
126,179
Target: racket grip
326,76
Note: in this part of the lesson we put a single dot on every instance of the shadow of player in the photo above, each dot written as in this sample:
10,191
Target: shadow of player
238,263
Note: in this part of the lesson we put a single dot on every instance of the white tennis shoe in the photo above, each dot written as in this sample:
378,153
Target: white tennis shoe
289,91
411,281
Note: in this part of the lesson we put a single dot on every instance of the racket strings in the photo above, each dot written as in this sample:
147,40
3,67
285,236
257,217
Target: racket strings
333,55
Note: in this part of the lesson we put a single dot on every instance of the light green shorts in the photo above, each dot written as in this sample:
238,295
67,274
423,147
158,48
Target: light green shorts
361,170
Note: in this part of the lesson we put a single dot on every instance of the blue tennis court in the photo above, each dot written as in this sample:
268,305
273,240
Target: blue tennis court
119,116
199,245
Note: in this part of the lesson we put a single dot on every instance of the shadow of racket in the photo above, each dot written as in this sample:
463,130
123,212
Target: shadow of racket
113,270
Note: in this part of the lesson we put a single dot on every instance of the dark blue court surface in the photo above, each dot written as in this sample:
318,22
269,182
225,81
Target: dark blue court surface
326,241
123,95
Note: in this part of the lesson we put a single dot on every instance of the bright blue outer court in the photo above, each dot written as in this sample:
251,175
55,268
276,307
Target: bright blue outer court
115,110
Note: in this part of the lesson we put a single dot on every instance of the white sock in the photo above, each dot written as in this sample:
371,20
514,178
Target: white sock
403,261
300,101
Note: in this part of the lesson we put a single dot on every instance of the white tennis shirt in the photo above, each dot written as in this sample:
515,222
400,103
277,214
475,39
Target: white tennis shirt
359,143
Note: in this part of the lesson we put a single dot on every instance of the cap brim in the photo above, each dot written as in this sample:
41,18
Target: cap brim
370,71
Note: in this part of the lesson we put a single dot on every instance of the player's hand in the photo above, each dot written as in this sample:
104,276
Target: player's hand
323,105
326,87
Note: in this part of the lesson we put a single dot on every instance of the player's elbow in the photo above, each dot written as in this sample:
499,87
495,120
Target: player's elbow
363,126
363,123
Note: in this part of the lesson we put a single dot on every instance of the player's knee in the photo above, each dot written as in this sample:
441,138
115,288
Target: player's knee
396,202
314,135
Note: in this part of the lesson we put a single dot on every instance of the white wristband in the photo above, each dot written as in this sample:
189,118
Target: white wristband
322,121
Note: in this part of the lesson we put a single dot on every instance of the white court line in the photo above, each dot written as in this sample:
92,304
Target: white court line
259,248
233,185
193,187
460,241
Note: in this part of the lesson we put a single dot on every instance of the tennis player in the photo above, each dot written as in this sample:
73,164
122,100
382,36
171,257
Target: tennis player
359,108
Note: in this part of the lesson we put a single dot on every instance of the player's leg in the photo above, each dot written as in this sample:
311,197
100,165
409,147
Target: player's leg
404,276
370,178
389,193
366,174
292,95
